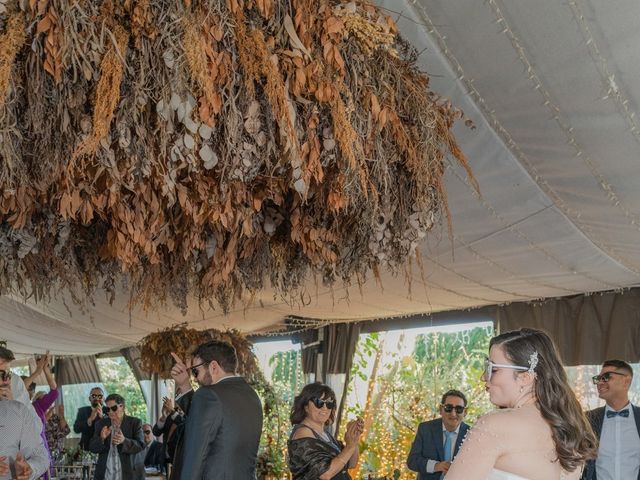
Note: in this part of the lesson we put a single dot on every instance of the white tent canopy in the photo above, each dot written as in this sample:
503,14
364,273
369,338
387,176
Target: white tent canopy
554,90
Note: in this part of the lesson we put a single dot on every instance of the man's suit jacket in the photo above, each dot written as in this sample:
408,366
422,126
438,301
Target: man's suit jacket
429,445
175,445
596,418
80,426
134,442
222,432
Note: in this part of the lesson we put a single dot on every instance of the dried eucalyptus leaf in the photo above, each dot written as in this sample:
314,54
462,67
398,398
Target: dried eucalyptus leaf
205,131
189,142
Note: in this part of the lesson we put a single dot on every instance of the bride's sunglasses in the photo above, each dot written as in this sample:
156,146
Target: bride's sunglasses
489,367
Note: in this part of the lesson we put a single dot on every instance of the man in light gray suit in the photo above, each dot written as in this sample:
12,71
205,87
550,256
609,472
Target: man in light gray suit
224,421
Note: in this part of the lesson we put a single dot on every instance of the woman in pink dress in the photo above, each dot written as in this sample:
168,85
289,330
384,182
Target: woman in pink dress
42,401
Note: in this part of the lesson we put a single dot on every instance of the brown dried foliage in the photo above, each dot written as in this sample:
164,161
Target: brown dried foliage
156,349
248,143
107,92
10,43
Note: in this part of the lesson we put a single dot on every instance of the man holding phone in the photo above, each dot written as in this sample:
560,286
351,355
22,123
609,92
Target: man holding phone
116,439
437,442
88,416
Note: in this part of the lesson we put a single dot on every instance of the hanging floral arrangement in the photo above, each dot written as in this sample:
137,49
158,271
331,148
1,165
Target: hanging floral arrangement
210,148
156,349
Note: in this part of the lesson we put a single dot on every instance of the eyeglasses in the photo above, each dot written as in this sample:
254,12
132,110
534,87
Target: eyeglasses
147,432
96,395
319,403
5,375
450,408
113,408
605,377
489,366
194,369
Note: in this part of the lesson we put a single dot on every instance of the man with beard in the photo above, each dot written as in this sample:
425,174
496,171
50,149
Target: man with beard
223,417
88,416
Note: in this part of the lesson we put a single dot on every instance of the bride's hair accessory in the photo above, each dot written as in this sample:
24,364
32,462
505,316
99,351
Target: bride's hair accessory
533,363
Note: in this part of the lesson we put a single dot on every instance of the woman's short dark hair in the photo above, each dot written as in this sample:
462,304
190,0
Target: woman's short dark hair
114,397
308,393
221,352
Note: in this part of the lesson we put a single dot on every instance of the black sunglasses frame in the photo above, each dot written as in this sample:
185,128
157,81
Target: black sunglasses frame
605,377
450,408
194,369
146,432
113,408
319,403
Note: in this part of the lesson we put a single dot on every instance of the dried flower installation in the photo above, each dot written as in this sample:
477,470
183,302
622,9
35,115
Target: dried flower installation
206,148
156,349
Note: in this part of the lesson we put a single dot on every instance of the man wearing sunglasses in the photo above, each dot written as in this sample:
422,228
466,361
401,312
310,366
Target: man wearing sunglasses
88,416
14,388
617,426
117,439
223,421
437,441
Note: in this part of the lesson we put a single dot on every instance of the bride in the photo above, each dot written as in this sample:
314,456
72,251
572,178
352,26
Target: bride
540,431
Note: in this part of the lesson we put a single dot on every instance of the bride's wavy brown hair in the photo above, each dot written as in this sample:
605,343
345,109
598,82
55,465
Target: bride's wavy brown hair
571,431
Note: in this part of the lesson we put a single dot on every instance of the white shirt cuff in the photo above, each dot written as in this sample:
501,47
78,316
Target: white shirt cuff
431,465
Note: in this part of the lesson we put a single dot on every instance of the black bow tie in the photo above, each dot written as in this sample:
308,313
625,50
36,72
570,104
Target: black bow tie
623,413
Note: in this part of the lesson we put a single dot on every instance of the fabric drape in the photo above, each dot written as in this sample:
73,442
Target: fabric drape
588,329
134,359
72,370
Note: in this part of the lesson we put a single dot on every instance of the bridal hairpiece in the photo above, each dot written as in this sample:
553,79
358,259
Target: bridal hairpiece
533,362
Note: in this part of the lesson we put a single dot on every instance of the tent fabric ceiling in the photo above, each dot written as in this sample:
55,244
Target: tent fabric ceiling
553,90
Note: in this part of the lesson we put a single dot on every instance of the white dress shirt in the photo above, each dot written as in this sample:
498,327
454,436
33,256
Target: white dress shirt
20,432
431,464
619,451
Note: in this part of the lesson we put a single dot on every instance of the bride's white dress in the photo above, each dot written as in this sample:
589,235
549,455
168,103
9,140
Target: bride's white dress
500,475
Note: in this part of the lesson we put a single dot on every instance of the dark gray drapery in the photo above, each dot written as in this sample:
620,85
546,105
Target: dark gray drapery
588,329
72,370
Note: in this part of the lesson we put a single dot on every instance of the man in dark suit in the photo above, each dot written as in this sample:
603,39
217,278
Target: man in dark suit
224,418
437,442
87,417
617,426
117,439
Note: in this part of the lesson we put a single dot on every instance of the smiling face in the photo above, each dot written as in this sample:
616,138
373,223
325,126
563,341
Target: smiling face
617,388
452,419
320,415
505,384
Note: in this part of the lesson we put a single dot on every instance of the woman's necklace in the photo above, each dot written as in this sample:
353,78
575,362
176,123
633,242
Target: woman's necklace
318,431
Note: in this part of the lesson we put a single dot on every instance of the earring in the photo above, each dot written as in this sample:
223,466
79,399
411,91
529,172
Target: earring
521,389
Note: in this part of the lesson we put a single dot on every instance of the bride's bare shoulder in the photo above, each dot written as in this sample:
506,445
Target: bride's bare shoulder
502,420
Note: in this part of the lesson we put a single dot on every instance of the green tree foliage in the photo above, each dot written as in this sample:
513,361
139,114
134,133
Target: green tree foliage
408,391
286,381
118,378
